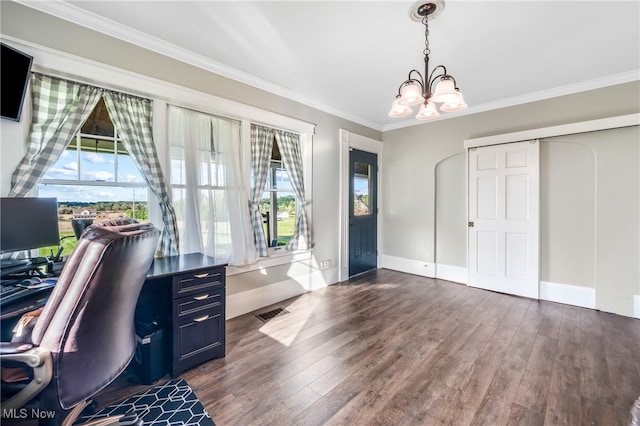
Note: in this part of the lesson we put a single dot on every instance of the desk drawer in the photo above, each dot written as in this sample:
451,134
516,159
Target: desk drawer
210,297
197,281
199,338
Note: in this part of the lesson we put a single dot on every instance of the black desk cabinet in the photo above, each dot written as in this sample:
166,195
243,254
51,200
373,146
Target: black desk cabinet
193,286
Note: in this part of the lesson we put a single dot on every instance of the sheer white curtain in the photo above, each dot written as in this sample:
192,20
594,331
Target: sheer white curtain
209,188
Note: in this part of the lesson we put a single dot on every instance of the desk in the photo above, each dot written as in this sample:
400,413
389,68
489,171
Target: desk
186,294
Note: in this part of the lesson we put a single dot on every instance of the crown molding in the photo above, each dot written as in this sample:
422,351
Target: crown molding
584,86
76,15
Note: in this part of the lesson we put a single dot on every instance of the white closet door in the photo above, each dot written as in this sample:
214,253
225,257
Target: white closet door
504,218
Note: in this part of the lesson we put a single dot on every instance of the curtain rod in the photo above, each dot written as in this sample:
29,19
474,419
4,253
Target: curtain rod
221,117
85,83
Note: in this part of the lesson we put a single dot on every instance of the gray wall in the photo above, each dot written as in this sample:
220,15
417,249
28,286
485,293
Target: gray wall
603,245
589,191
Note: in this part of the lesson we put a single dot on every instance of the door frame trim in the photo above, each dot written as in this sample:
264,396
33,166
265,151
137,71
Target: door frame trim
563,129
349,140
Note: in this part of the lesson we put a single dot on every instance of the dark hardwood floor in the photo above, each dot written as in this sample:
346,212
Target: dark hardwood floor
398,349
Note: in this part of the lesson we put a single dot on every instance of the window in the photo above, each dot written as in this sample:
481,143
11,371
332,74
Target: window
209,194
361,183
278,203
95,177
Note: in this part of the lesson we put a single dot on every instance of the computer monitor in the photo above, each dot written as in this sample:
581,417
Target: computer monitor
28,223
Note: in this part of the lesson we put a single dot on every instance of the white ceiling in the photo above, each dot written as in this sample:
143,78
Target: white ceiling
349,57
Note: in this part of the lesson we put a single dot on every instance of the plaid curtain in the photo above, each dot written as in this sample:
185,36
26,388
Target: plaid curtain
59,109
261,145
132,117
289,145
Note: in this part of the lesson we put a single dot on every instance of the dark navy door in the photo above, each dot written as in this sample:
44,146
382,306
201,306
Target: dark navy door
363,212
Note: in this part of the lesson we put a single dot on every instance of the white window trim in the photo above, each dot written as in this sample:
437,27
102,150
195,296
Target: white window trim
63,65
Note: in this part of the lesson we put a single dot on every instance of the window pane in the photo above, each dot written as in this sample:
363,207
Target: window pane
214,226
127,170
217,170
361,183
281,178
265,208
286,218
279,216
97,160
104,202
66,168
99,123
178,201
177,166
219,232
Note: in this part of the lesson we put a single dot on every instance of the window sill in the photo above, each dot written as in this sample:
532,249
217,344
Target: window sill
277,256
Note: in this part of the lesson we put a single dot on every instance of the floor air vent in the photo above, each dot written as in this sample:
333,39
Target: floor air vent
266,316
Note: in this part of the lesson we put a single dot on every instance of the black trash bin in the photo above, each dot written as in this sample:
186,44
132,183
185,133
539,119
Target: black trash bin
149,361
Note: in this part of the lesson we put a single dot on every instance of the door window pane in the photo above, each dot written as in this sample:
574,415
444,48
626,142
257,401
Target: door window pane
361,184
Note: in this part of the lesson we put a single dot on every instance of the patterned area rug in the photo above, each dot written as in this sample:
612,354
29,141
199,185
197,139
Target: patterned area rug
173,403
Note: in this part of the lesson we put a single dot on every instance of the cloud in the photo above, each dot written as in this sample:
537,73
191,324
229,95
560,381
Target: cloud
131,178
93,157
105,195
69,170
72,166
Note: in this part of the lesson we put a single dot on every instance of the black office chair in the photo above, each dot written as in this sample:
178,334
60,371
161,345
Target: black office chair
84,337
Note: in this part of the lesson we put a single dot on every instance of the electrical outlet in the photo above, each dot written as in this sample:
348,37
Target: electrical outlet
325,264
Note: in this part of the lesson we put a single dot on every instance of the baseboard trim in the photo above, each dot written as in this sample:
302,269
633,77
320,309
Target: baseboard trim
636,306
457,274
251,300
408,266
568,294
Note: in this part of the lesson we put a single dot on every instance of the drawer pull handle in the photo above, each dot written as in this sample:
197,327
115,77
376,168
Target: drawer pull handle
206,274
204,296
201,318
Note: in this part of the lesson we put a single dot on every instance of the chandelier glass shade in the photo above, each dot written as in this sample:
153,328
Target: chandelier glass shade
430,88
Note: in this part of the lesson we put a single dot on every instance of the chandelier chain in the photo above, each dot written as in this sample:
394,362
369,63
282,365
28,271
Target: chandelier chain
426,51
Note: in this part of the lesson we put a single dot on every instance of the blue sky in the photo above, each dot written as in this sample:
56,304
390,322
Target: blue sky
361,185
93,167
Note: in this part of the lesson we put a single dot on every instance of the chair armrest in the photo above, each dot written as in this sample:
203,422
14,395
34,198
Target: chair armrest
39,360
7,348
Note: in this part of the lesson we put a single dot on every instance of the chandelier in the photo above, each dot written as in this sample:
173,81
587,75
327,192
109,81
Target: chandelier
418,89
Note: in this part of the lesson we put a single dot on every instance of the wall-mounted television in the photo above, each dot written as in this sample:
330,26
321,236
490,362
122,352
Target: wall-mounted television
15,69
